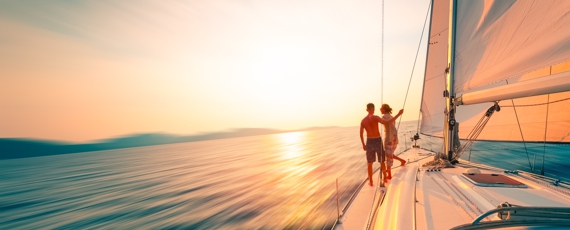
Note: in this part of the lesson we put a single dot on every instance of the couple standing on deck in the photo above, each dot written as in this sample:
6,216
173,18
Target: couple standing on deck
373,146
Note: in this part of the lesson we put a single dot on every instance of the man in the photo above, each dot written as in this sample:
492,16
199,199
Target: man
373,146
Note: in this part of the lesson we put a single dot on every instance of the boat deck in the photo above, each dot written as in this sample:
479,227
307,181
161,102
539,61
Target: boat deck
422,198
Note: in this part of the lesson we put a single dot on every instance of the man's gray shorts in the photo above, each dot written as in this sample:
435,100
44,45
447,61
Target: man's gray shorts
374,149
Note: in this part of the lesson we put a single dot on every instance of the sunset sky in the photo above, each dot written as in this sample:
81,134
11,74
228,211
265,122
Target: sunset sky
86,70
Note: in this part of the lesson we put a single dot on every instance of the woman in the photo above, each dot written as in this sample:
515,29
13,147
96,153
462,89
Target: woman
390,139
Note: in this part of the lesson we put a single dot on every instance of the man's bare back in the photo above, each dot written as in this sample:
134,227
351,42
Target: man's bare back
370,124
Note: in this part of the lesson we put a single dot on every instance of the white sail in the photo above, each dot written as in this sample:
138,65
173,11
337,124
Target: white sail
512,52
504,39
433,105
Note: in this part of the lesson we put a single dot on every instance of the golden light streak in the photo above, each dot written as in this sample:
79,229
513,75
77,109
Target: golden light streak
395,200
292,142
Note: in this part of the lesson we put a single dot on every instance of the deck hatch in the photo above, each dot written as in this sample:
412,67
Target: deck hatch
493,180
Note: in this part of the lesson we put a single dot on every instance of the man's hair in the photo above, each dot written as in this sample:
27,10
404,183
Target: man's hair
370,106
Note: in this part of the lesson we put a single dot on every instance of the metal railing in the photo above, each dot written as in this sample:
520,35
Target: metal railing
522,216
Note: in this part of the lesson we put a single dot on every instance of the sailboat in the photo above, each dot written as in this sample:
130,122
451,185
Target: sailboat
500,70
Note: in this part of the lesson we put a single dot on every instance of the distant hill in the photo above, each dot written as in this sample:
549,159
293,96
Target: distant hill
12,148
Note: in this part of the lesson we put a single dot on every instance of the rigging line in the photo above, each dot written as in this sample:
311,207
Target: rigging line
476,129
368,222
545,130
382,61
381,102
382,66
472,136
551,102
522,136
415,60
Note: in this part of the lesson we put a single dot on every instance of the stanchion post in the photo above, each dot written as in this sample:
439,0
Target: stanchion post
337,201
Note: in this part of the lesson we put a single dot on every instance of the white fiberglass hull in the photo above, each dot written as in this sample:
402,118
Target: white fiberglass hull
419,198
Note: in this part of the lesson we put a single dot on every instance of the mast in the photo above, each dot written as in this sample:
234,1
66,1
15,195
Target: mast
450,123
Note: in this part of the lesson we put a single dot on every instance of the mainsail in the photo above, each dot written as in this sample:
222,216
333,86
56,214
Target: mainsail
514,52
502,40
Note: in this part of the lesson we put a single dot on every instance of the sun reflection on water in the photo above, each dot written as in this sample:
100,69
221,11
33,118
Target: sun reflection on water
293,165
293,143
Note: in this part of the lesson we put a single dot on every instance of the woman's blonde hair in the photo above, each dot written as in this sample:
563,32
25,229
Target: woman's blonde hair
386,108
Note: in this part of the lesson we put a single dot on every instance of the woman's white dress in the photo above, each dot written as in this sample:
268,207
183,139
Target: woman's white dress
390,138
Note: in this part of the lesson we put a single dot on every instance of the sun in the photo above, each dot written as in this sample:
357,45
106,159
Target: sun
286,73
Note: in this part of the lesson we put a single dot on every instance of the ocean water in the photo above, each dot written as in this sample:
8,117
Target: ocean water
279,181
548,159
